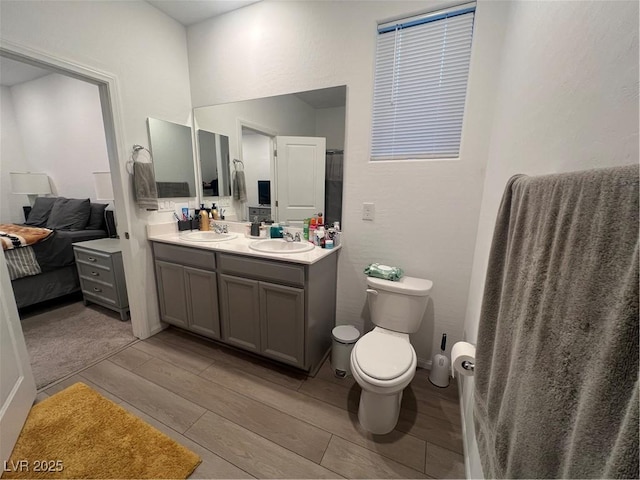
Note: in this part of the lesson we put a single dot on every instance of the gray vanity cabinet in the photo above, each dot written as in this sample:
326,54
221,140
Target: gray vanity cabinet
240,309
282,323
188,296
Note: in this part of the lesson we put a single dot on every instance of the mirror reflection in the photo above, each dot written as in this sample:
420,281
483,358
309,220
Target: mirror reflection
213,152
172,151
288,150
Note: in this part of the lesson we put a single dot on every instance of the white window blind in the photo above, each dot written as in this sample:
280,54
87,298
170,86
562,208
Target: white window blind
422,67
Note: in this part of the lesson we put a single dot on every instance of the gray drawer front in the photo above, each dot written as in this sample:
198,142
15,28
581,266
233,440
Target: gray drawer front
192,257
92,258
96,272
278,272
106,293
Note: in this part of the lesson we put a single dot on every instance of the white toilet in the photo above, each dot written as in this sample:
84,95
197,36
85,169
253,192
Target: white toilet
383,362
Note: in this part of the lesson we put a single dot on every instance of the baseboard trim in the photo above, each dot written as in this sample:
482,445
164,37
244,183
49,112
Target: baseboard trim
424,364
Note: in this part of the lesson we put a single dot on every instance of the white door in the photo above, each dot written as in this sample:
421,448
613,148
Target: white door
299,174
17,386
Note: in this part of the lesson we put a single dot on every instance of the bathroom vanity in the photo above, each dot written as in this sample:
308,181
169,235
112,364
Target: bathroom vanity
277,305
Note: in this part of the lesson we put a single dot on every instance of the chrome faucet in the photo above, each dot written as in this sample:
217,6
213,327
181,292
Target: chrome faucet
220,228
288,237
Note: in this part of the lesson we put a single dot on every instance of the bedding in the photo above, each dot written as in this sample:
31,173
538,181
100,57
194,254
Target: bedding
16,236
42,267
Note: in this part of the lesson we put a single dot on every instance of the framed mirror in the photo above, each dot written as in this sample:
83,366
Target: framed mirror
172,150
274,141
213,153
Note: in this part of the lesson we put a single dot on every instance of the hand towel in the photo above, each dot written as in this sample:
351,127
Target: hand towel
384,271
240,186
556,373
145,189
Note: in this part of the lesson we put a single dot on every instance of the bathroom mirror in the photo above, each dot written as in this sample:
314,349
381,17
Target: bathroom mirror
172,150
253,128
213,152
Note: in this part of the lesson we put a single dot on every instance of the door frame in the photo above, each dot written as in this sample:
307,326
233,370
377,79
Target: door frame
111,105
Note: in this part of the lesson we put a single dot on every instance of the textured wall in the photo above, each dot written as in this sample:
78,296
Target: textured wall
426,211
568,100
147,52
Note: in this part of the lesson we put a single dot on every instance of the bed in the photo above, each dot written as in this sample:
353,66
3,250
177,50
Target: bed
46,269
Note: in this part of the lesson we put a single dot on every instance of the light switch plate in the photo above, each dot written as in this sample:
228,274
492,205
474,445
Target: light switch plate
368,211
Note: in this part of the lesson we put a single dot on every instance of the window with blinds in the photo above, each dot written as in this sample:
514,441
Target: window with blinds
422,67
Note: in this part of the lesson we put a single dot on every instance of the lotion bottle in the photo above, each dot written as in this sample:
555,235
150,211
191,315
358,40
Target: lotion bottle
204,219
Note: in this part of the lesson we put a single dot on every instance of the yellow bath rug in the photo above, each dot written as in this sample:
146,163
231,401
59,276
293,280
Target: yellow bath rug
77,433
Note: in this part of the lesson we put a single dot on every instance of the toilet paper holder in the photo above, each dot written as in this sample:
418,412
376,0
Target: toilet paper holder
467,365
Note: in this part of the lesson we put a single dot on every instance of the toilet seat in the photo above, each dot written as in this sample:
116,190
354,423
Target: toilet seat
384,359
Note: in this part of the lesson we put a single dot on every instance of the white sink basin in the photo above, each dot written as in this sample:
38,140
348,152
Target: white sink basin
208,236
280,246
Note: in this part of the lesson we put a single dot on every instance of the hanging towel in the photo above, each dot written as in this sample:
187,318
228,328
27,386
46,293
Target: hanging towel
556,374
240,186
145,188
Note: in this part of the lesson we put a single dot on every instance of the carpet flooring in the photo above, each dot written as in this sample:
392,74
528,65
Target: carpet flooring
70,337
78,433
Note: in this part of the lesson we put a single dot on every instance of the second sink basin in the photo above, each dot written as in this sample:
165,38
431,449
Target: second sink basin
280,246
208,236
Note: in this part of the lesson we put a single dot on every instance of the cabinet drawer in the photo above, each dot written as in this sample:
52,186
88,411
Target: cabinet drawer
96,272
92,258
278,272
107,293
192,257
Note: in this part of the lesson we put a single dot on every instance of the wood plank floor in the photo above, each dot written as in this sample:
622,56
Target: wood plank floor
249,418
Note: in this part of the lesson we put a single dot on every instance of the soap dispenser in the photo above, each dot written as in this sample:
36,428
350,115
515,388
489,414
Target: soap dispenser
214,212
204,218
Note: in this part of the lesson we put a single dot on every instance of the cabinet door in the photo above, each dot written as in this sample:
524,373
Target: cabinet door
202,302
171,293
282,323
240,309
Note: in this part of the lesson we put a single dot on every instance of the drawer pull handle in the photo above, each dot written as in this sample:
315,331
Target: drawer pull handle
95,274
96,289
91,259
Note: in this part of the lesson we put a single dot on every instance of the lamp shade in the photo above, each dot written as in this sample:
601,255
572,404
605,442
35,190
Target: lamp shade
30,183
103,185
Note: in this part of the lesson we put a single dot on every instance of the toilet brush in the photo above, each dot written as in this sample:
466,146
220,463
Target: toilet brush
439,374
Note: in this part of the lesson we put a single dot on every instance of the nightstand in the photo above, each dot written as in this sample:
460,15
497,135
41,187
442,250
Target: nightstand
101,273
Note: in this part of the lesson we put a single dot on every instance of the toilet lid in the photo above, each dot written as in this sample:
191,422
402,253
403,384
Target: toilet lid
383,356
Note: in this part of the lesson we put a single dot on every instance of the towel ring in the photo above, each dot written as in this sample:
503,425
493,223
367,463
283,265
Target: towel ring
136,149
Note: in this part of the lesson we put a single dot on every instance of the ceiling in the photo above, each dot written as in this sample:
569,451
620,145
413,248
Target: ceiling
13,72
325,98
188,12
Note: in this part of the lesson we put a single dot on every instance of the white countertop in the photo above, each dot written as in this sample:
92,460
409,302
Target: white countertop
238,245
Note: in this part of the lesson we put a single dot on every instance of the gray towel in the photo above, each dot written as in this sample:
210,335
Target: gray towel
240,186
144,182
556,376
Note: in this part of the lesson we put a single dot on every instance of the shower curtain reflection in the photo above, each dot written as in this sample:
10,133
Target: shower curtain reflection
333,186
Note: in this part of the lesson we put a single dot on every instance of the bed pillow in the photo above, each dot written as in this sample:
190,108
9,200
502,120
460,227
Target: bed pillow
96,217
69,214
39,214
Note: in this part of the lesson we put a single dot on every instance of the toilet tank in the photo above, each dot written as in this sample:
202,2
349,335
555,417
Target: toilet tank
400,305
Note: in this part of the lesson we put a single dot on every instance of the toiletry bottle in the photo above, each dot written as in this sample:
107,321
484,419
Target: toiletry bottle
320,234
255,227
214,212
204,219
211,220
336,234
312,230
305,229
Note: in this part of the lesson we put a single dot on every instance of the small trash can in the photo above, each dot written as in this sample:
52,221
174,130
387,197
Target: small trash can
344,338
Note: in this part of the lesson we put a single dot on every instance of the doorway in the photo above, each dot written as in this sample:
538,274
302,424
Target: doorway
50,74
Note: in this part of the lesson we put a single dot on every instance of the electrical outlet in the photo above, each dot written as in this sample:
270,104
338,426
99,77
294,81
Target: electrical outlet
368,211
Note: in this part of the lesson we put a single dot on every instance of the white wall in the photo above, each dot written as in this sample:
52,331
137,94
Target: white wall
146,51
426,211
256,154
330,123
12,159
568,101
60,121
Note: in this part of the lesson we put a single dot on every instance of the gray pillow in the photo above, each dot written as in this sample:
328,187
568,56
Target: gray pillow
39,214
96,217
69,214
